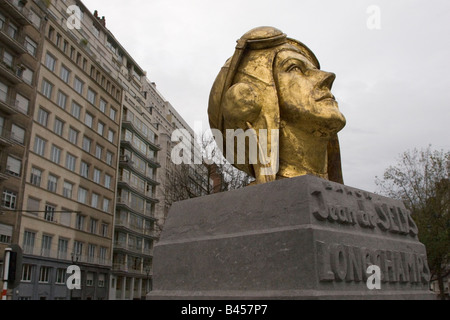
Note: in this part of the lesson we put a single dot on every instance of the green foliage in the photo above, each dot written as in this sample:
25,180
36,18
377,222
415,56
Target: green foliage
421,180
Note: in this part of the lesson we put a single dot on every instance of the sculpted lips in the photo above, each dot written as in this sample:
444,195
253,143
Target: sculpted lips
327,96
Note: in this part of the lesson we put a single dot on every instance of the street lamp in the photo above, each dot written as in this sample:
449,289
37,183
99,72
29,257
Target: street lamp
147,270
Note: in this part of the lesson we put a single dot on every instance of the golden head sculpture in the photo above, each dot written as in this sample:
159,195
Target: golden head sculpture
273,82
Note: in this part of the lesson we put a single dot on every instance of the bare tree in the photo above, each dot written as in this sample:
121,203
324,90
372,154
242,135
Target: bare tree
421,180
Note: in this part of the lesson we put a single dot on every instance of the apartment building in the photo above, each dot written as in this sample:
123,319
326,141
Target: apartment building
20,53
84,153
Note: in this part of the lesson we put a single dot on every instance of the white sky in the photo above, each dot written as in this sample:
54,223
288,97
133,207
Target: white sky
393,84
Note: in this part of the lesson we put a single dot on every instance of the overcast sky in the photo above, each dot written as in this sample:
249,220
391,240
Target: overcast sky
393,83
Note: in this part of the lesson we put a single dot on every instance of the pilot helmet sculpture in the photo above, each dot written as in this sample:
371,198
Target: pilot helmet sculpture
273,82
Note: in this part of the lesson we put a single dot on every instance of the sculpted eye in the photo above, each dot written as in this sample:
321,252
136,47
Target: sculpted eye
296,68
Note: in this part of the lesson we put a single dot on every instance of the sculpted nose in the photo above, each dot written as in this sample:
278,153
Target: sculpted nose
326,79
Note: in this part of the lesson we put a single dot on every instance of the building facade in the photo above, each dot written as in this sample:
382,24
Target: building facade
85,146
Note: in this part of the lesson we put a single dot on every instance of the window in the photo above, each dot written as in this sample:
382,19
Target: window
27,273
103,105
71,162
112,114
3,92
44,275
84,170
63,248
100,128
68,190
35,19
76,110
18,134
109,158
98,152
23,104
65,74
82,195
36,177
27,76
66,217
42,117
56,155
12,30
33,205
97,175
89,275
47,89
93,226
14,166
46,245
61,276
91,96
62,100
111,135
59,127
9,200
108,180
78,86
91,256
5,234
106,205
94,202
39,146
2,21
52,185
58,39
29,238
78,248
105,229
31,46
50,62
87,144
101,277
73,135
8,58
95,31
51,32
49,214
80,222
88,119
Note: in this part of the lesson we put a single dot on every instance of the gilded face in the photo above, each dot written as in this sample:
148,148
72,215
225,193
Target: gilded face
306,102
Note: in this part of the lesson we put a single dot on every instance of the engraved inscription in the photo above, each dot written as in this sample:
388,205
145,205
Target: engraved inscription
362,211
338,262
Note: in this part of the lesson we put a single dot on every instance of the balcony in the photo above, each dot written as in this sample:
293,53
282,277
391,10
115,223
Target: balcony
124,268
16,9
125,162
124,203
145,194
12,107
139,230
5,138
132,249
16,43
129,145
10,73
128,124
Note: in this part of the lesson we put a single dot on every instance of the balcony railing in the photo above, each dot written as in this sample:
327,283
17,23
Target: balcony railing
64,256
122,267
135,228
132,248
17,10
12,106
